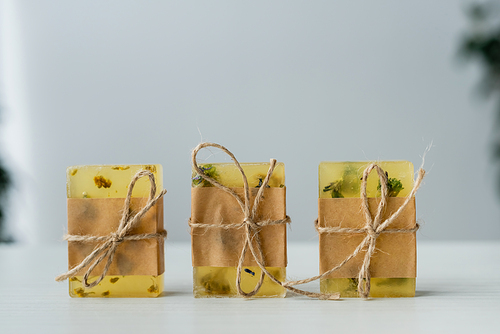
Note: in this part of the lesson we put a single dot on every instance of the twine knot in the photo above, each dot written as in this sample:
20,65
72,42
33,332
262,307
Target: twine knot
371,232
250,223
116,238
106,250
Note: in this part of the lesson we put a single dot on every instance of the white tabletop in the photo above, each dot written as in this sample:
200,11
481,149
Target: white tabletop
458,291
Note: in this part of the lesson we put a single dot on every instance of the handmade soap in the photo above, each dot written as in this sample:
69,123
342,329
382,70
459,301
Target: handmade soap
216,251
96,196
342,180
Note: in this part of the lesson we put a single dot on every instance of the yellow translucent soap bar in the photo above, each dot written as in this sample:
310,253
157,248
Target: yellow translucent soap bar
343,180
221,281
112,181
119,286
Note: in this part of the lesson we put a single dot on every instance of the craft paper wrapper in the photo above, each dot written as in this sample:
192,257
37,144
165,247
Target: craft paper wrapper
101,217
218,247
395,255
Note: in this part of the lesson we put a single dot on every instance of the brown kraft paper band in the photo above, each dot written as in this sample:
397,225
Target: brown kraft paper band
101,217
221,247
395,255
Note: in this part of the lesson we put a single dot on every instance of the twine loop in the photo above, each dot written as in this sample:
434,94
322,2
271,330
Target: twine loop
106,250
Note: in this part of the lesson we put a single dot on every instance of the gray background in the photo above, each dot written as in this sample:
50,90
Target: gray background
87,82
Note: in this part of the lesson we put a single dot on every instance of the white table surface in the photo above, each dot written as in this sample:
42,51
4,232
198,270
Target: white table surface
458,291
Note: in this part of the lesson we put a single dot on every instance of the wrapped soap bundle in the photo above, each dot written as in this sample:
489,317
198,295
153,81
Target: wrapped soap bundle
367,228
115,231
238,228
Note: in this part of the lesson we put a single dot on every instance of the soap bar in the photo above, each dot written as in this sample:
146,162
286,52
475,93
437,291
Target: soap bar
339,186
96,196
216,251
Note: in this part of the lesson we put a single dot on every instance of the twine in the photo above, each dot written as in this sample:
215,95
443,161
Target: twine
111,242
251,225
373,228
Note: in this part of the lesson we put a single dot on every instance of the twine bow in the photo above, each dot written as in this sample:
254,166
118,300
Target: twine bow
110,243
250,224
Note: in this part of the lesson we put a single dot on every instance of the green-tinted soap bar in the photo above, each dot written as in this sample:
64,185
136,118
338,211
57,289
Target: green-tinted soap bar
228,175
343,180
221,281
112,181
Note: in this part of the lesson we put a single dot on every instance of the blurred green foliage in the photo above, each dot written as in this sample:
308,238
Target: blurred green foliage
5,182
4,185
481,44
